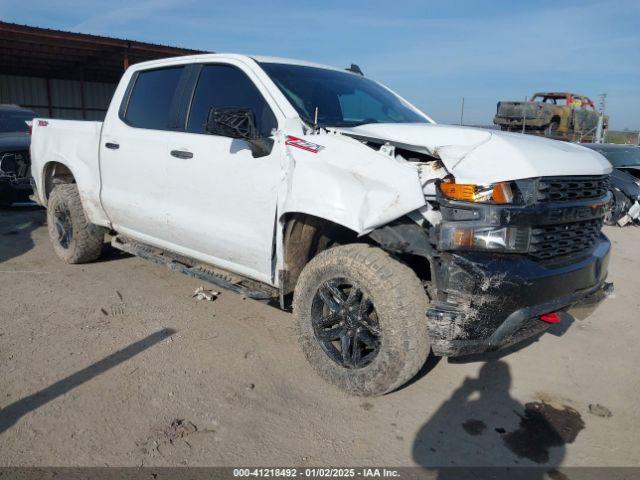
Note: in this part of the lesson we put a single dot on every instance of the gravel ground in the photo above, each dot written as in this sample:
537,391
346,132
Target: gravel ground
114,363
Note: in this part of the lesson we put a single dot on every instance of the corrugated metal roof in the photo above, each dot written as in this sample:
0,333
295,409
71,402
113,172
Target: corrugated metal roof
44,52
103,39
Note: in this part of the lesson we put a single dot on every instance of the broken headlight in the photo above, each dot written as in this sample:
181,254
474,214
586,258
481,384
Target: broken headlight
498,193
497,239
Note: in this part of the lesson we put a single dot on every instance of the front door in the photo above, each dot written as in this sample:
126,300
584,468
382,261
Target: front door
223,199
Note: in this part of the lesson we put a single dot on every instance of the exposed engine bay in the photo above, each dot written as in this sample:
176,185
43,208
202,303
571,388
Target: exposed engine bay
14,165
15,177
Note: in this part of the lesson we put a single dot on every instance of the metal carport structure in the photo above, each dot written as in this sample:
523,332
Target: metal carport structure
62,74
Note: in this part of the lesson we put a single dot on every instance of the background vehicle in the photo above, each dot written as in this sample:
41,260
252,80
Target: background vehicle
625,181
15,125
277,178
561,115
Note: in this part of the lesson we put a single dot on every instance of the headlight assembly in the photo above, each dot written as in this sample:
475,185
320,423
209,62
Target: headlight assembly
498,239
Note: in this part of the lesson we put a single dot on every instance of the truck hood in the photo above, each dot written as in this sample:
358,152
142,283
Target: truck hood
475,155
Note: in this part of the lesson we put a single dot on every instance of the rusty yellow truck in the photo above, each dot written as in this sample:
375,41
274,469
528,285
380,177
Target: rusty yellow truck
559,115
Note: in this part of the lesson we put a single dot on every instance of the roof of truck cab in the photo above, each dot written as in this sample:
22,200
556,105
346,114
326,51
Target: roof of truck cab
220,56
557,94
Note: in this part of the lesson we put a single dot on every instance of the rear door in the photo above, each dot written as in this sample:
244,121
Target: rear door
135,158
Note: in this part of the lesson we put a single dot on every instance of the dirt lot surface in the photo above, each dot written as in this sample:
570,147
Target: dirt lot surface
114,363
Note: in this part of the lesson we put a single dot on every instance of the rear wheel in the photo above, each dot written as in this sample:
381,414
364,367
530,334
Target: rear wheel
74,238
361,319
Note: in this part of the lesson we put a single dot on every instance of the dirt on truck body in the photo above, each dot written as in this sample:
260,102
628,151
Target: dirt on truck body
559,115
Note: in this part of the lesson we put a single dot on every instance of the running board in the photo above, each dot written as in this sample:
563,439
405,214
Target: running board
177,264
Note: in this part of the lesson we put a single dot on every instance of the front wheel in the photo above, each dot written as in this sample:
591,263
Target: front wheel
361,319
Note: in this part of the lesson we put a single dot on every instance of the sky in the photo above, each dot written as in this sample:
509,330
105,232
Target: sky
433,53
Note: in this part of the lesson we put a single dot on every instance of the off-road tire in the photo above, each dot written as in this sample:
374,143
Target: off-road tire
400,302
87,239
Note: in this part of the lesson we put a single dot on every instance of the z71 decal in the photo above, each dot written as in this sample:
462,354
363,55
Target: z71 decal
303,144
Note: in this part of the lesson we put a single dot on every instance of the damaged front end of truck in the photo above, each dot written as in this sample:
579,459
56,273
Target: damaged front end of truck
504,257
503,272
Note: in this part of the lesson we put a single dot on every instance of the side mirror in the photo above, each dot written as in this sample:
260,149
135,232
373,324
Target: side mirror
232,122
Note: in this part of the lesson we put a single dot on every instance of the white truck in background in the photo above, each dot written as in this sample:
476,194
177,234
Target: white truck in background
277,178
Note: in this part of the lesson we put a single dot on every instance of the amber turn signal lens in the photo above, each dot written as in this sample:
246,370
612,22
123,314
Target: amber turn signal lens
463,237
502,193
499,193
458,191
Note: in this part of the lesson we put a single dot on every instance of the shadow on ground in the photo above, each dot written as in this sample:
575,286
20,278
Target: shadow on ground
18,222
110,254
10,414
16,225
482,424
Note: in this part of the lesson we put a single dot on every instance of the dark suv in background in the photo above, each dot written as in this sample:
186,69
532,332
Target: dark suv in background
15,175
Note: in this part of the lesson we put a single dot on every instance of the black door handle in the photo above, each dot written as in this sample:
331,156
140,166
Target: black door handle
181,154
112,146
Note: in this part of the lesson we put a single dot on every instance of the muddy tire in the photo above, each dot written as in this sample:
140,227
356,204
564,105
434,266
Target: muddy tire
361,319
74,239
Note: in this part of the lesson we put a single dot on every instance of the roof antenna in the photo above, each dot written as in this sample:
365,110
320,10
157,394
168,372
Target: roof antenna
315,120
355,69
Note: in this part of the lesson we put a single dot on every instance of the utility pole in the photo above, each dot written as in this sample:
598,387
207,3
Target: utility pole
462,112
524,114
600,128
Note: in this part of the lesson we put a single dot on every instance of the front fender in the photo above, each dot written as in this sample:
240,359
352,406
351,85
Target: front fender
347,183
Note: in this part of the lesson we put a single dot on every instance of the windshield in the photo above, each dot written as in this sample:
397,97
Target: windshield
12,121
622,157
342,99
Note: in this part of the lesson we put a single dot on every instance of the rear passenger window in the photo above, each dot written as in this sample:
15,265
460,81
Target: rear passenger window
151,98
226,86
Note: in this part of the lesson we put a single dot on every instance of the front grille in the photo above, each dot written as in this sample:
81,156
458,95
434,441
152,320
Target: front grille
551,241
562,189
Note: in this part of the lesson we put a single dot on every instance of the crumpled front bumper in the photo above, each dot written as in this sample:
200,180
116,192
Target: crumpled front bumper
488,301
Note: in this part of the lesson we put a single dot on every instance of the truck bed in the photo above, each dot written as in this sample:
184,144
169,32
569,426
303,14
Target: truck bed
71,142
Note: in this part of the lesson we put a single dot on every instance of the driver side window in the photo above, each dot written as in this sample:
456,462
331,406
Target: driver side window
227,86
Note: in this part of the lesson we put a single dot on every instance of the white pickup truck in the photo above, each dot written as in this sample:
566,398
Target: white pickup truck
392,235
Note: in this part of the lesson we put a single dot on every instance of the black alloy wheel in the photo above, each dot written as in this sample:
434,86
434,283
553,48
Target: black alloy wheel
345,323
